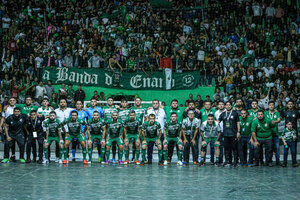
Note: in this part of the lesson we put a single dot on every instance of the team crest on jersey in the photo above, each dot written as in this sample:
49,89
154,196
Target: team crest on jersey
231,117
21,120
247,124
294,115
275,116
266,125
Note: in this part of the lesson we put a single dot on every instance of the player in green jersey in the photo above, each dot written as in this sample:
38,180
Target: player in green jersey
44,109
109,109
95,131
53,133
149,131
140,113
132,130
207,110
172,133
27,107
210,132
254,109
124,110
74,131
114,134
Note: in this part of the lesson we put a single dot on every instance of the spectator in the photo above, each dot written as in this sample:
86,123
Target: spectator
79,94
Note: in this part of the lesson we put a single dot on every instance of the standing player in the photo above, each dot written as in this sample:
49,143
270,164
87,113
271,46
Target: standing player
74,125
114,134
140,114
44,109
150,129
132,129
210,132
245,140
95,131
262,135
274,116
172,133
190,127
221,109
108,111
124,110
206,110
53,133
27,107
179,111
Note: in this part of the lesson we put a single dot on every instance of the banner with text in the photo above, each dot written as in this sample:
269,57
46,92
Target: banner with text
124,80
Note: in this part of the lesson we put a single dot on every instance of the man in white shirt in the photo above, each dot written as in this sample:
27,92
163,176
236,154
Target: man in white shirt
40,90
221,109
38,63
160,117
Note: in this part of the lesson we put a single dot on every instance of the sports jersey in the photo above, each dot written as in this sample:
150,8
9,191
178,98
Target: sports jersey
53,126
169,110
74,127
43,111
26,109
90,111
96,126
173,129
253,113
151,131
273,117
262,128
205,113
246,126
114,129
210,131
288,134
190,126
132,127
139,112
15,124
123,114
108,112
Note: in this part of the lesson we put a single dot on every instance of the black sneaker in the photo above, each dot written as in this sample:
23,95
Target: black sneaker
149,162
295,165
201,163
142,163
13,159
284,165
34,160
270,164
40,161
278,164
28,160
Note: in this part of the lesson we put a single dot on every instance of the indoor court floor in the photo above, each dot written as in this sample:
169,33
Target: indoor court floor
95,181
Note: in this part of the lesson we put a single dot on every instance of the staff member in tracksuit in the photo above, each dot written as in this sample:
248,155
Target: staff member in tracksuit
35,133
14,125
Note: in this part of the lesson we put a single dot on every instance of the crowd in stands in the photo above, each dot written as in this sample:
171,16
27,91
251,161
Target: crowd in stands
249,48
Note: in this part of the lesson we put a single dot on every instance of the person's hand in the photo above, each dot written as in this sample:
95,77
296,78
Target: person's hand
294,138
238,136
89,141
126,140
217,143
61,141
273,122
284,144
150,108
256,144
8,138
138,141
197,110
45,141
193,142
186,109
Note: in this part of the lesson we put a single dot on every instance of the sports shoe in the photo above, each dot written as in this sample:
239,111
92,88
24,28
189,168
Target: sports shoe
165,162
28,160
60,161
13,158
126,162
270,164
46,161
102,162
65,162
284,165
22,160
185,163
89,161
113,161
142,162
161,163
107,162
56,159
121,162
40,161
5,160
137,162
99,160
179,163
295,165
85,162
201,163
169,160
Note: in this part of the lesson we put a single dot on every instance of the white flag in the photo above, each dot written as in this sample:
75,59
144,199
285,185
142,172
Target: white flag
168,78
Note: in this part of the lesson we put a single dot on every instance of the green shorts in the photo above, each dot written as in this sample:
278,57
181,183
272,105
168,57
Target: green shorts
118,140
96,137
152,140
175,139
132,138
213,139
51,139
79,137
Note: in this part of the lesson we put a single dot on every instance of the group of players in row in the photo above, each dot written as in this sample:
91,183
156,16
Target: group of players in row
230,129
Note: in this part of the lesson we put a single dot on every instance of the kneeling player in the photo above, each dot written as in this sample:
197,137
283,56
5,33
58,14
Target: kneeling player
210,132
95,131
74,127
149,130
53,133
132,129
172,132
114,134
